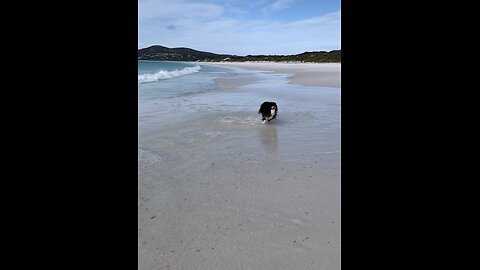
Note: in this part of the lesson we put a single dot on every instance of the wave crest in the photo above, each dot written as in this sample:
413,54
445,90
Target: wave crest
163,74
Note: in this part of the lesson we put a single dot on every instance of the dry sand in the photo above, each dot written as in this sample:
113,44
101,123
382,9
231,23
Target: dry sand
309,74
218,190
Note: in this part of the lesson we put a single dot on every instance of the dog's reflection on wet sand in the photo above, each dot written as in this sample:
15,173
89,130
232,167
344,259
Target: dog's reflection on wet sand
269,138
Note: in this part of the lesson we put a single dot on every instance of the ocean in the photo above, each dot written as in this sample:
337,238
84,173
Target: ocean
166,89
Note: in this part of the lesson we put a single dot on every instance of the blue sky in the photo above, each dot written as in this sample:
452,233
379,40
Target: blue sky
241,27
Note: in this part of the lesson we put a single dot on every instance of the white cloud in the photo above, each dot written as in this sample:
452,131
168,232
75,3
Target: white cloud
278,5
281,4
151,9
326,19
205,27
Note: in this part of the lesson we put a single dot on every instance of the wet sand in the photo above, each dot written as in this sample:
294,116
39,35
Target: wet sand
219,190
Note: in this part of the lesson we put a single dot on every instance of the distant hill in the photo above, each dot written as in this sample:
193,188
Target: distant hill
158,52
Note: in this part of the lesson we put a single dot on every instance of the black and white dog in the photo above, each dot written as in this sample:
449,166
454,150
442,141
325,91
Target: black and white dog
269,110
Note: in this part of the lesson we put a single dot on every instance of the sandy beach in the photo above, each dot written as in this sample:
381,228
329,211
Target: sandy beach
309,74
219,190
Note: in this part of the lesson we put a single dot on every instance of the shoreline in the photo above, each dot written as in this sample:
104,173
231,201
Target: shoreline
307,74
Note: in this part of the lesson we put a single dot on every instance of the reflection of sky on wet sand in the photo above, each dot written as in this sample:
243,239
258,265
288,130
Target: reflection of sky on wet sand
268,137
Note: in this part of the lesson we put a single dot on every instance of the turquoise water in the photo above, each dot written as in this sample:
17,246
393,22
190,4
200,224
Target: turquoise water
174,79
150,67
154,71
166,89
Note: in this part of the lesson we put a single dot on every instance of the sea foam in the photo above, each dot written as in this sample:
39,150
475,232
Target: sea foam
164,74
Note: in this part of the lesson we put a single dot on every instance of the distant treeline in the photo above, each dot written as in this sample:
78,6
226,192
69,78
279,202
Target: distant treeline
315,57
186,54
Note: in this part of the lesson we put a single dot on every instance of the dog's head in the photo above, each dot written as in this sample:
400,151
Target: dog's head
269,110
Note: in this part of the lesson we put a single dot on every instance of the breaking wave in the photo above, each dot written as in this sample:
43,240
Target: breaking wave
164,74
